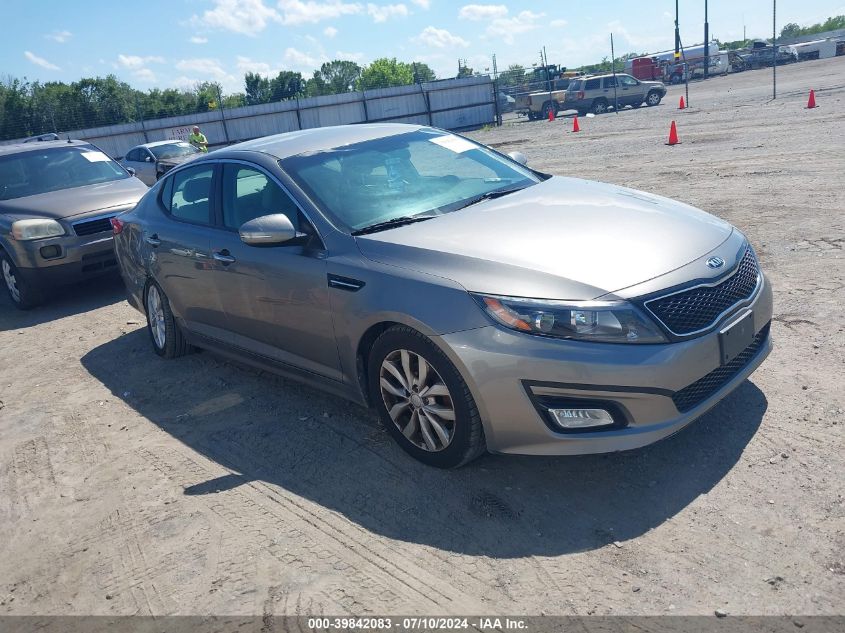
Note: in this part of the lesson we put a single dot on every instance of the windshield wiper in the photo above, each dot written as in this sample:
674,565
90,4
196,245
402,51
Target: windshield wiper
390,224
490,195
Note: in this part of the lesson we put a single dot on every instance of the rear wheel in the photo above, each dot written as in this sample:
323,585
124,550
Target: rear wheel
423,401
549,108
23,293
599,106
165,334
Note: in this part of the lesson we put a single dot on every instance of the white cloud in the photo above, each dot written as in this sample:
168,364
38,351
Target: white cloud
439,38
247,17
303,12
299,60
136,62
482,11
425,4
59,36
558,23
145,75
330,32
247,65
196,39
185,83
382,13
506,28
208,69
40,61
353,57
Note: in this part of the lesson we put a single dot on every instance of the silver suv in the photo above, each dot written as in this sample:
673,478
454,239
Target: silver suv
56,202
596,94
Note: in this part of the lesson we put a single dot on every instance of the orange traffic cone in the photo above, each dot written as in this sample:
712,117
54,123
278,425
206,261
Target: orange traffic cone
551,115
673,135
575,126
682,105
812,102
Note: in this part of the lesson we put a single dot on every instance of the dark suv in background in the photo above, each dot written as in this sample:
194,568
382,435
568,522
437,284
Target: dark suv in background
56,202
596,93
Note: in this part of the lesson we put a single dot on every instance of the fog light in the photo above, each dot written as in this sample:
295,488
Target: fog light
50,252
581,418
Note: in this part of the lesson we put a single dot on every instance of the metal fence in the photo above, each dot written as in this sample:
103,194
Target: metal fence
453,104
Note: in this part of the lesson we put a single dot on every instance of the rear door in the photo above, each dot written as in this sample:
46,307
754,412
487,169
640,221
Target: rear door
178,246
275,297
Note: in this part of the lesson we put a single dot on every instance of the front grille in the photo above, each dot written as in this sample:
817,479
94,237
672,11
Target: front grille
90,227
692,395
699,308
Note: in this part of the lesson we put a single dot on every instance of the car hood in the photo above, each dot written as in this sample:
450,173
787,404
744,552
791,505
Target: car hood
178,160
66,203
564,238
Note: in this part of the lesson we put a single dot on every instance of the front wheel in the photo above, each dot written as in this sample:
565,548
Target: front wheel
23,293
422,400
166,337
653,98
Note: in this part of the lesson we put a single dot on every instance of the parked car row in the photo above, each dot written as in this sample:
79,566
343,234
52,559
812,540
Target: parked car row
476,304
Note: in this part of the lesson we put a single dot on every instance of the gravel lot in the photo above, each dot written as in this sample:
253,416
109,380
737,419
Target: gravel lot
132,485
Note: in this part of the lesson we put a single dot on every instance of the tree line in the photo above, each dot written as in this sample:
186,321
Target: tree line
32,108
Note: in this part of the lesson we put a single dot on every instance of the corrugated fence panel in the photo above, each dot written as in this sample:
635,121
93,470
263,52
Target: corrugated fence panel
325,115
248,127
464,118
396,107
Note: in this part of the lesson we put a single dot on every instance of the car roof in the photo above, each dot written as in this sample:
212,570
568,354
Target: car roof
157,143
14,148
293,143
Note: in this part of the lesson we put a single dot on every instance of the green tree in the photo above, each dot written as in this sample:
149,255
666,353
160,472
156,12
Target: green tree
423,72
513,76
384,73
464,71
337,76
286,85
257,89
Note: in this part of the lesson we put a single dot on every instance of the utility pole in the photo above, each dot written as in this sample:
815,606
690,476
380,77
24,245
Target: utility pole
677,35
774,49
613,67
706,43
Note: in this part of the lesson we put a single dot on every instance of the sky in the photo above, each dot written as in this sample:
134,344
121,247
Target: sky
177,43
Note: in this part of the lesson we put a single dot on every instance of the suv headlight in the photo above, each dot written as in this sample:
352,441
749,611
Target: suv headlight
601,321
36,229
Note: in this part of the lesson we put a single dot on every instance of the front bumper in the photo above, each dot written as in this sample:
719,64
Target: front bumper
508,372
79,258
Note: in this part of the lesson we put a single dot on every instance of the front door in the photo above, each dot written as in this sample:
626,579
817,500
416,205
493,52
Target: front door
276,297
632,91
142,162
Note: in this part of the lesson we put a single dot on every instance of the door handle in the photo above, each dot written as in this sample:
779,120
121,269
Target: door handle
152,240
223,257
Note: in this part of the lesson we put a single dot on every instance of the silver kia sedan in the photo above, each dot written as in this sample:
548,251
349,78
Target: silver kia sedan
477,304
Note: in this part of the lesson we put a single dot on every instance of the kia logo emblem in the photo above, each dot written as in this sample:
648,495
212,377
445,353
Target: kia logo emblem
715,262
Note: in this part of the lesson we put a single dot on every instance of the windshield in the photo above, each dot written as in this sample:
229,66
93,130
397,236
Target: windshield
173,150
425,172
51,169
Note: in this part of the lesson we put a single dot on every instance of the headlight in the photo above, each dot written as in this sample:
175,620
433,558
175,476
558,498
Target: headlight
36,229
602,321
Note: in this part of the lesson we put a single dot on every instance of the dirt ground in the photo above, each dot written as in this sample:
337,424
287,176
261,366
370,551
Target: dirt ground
132,485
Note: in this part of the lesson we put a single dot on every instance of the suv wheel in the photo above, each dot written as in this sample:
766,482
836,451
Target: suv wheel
165,334
599,106
24,294
547,109
653,98
422,400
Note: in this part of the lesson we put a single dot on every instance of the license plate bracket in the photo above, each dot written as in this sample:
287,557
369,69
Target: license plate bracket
736,336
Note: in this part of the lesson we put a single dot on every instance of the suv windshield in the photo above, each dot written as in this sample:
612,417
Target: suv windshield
173,150
425,172
51,169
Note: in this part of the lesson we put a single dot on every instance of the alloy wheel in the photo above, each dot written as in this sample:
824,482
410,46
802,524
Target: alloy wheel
653,99
417,400
11,281
155,311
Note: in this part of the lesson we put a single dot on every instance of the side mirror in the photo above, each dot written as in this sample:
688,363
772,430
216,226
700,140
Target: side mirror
519,157
130,170
268,230
148,159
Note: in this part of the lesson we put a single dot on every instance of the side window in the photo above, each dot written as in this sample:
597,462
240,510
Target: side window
625,80
592,84
145,154
609,82
133,154
249,193
191,193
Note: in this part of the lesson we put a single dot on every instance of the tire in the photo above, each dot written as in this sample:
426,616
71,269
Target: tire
165,335
599,106
548,107
432,437
23,293
653,98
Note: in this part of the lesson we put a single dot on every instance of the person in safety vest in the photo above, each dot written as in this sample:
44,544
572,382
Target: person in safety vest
198,140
